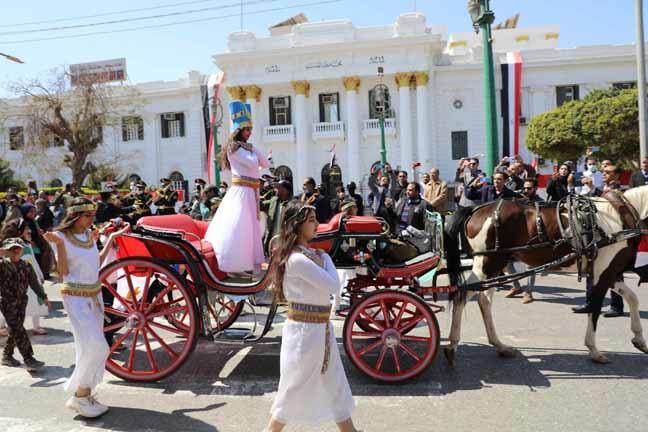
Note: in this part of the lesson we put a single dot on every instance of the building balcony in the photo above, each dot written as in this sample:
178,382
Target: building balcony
282,133
372,127
328,130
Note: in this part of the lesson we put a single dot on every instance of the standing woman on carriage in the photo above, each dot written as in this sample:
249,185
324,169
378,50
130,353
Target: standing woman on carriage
78,263
313,387
235,231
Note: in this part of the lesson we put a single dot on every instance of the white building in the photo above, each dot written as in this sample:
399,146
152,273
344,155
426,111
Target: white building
310,88
165,137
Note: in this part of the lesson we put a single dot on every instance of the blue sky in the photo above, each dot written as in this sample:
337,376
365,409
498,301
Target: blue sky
168,53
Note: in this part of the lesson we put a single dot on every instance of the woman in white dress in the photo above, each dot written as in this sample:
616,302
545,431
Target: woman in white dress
78,262
235,231
313,387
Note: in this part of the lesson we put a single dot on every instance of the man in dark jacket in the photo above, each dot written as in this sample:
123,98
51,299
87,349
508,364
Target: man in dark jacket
498,190
381,191
106,208
274,208
44,216
351,187
312,196
640,177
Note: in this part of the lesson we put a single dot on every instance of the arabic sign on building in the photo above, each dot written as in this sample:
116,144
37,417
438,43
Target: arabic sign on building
102,71
323,64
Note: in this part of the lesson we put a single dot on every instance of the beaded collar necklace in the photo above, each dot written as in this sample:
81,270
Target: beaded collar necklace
84,244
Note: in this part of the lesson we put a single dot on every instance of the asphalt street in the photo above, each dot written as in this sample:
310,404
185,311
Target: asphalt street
226,386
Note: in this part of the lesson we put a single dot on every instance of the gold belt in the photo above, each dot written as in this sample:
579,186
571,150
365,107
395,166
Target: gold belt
81,290
246,181
314,314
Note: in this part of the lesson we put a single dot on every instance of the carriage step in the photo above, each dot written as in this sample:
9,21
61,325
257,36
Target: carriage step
233,334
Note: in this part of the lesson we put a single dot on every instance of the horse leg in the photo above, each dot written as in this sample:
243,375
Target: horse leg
635,320
455,330
596,303
485,301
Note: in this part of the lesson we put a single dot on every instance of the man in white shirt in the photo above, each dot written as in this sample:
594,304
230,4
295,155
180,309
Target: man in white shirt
592,171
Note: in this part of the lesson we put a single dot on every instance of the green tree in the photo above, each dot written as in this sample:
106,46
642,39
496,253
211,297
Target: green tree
102,173
7,177
607,119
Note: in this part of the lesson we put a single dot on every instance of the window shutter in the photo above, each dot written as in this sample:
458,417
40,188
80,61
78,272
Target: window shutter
140,128
321,108
271,111
180,117
289,111
124,128
576,92
337,101
459,144
165,127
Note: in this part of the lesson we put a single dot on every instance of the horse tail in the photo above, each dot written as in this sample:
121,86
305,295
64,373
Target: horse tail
453,265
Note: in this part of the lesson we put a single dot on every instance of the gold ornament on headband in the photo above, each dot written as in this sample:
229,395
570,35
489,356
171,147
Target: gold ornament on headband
82,208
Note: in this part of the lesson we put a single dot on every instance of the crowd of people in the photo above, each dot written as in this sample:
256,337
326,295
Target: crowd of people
42,235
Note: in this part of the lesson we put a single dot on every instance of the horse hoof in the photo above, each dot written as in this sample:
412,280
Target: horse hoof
600,359
508,352
450,356
640,345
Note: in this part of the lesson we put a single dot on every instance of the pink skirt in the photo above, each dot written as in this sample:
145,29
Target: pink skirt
235,231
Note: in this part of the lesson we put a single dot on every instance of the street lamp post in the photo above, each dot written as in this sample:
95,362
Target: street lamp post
217,120
482,18
380,102
641,80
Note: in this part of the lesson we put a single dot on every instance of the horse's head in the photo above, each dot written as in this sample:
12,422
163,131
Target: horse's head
638,197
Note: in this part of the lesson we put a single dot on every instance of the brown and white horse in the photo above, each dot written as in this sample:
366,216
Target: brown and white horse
518,227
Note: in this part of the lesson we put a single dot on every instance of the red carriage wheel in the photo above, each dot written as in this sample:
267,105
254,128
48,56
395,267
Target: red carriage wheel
223,311
148,297
397,346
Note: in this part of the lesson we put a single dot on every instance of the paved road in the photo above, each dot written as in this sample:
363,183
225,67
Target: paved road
549,386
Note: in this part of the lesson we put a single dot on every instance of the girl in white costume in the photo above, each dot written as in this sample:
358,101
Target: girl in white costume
235,231
313,387
78,262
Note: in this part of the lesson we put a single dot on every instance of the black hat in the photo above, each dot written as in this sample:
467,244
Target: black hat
165,180
284,184
200,181
140,184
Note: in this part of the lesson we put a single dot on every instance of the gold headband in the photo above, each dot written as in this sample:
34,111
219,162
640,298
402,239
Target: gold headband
301,213
82,208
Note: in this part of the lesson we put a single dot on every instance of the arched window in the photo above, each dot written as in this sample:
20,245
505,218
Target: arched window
176,176
282,172
331,178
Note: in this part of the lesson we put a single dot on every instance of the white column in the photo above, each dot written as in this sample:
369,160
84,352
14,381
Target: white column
303,129
351,85
405,120
252,98
424,145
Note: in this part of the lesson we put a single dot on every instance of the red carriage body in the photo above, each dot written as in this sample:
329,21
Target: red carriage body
164,289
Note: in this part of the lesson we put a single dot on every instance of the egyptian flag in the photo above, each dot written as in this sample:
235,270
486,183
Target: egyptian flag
511,102
332,152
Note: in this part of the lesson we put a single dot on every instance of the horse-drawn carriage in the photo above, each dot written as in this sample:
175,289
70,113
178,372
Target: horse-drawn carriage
164,290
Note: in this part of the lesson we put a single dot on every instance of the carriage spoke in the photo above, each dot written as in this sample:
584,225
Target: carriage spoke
114,292
131,356
410,351
172,353
411,324
145,290
381,358
400,314
159,298
168,311
396,359
113,327
366,334
385,312
370,347
415,338
131,290
112,311
373,321
149,352
121,339
166,328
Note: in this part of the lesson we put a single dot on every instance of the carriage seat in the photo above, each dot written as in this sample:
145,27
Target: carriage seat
354,224
194,232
